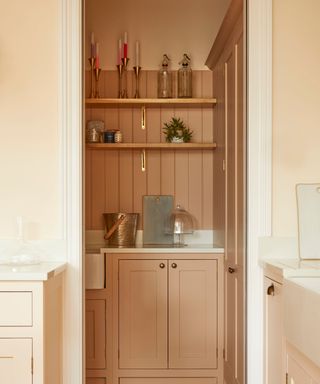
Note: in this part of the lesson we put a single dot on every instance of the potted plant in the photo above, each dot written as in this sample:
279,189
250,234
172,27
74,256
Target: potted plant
176,131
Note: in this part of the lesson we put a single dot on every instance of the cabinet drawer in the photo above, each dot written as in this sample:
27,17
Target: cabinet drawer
16,309
15,361
169,380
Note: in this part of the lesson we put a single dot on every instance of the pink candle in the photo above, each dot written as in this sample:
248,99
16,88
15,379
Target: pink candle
125,46
119,51
97,56
93,51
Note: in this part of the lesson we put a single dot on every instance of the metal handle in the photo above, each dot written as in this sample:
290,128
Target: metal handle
174,265
231,270
270,290
161,265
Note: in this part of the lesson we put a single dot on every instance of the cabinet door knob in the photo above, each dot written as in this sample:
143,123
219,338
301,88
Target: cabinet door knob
161,265
270,290
231,270
174,265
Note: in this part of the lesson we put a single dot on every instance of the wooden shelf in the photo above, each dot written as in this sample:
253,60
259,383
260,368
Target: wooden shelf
184,146
140,102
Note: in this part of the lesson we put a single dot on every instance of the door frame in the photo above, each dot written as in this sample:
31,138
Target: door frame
259,177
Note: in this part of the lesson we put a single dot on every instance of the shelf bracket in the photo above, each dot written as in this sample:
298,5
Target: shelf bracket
143,160
143,117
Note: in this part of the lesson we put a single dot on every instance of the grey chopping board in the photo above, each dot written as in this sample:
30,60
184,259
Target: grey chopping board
308,199
156,214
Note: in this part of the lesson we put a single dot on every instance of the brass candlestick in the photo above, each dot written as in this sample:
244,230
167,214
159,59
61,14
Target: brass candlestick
125,62
92,61
120,73
137,76
97,72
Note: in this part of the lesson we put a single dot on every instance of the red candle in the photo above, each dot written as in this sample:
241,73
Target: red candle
125,46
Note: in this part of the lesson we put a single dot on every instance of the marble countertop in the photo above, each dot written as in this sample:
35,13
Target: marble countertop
292,267
37,272
140,248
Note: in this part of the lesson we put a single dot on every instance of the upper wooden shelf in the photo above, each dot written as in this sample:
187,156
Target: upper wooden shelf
152,146
190,102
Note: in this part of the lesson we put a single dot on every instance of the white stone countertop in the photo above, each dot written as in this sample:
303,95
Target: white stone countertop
140,248
293,267
36,272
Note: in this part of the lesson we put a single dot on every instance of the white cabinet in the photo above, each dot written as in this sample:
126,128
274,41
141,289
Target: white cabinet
300,370
15,361
31,331
274,340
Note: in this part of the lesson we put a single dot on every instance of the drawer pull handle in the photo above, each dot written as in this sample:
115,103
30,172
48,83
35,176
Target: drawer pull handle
161,265
6,357
174,265
270,290
231,270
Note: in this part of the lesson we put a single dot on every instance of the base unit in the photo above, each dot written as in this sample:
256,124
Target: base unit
31,331
96,380
168,380
16,361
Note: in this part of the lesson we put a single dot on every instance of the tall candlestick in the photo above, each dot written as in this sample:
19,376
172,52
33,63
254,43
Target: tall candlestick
97,56
93,53
119,52
137,53
125,46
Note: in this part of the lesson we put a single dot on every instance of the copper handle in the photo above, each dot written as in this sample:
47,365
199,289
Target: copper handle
270,290
231,270
114,227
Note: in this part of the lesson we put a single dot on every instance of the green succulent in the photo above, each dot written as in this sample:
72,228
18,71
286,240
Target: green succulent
177,128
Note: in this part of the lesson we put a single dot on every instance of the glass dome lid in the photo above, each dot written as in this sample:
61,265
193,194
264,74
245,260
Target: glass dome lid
181,221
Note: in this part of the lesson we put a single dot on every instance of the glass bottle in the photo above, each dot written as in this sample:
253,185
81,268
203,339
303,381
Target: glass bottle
185,78
164,79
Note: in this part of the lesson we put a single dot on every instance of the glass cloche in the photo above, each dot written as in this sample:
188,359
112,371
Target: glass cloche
181,223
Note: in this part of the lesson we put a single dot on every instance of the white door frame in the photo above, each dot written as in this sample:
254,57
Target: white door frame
259,128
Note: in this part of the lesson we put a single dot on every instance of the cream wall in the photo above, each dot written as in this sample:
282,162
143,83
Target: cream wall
172,27
29,144
296,106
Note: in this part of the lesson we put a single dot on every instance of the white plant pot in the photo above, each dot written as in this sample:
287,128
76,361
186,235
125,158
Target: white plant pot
177,140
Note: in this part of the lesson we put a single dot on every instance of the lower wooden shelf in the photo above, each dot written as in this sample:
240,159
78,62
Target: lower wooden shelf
151,146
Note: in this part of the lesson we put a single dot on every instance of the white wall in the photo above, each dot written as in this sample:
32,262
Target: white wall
29,143
172,27
296,106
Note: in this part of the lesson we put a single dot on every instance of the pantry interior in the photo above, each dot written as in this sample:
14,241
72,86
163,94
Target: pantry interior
181,339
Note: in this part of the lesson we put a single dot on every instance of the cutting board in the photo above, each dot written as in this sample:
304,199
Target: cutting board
308,198
156,214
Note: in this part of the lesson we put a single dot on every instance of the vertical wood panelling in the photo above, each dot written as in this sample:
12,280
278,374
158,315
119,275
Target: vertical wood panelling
98,189
208,156
111,178
118,184
195,187
139,184
88,189
167,158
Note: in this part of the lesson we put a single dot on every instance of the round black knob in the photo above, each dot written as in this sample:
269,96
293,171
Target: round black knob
231,270
174,265
270,290
161,265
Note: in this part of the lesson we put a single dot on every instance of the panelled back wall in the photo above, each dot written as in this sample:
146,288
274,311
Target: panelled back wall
115,181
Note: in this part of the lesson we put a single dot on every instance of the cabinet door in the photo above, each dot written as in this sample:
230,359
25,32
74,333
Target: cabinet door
273,332
169,380
15,361
95,334
193,326
143,313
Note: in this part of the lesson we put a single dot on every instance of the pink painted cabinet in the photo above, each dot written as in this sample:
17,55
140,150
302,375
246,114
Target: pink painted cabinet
168,314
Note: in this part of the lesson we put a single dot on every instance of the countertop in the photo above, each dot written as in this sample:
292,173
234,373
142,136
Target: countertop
37,272
140,248
292,267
